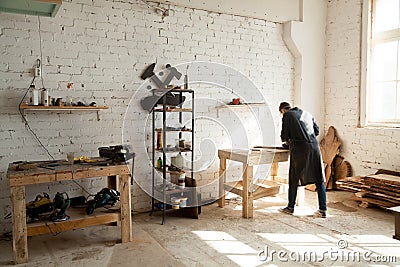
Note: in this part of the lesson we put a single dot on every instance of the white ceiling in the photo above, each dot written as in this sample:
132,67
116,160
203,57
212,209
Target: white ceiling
271,10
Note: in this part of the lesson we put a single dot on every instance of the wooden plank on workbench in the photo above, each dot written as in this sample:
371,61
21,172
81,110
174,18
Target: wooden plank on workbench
36,179
221,181
247,196
77,220
265,191
20,242
255,156
125,198
234,187
239,155
108,170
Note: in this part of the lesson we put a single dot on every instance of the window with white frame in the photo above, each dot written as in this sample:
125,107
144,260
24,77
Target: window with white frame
383,85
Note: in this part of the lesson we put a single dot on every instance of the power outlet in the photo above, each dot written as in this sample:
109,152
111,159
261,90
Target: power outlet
38,72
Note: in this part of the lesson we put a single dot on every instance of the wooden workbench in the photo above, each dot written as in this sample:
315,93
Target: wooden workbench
61,171
250,158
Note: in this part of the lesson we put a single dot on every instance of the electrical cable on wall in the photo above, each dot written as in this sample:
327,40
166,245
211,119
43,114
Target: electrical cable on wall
39,65
164,12
27,124
41,52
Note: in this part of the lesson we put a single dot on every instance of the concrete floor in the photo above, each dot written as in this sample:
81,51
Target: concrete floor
350,236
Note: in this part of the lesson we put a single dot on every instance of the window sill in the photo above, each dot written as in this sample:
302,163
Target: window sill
377,125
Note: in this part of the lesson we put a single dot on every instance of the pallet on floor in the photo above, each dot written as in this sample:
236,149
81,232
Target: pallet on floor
381,189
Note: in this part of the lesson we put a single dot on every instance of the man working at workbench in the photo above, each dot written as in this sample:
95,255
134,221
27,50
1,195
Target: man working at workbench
299,132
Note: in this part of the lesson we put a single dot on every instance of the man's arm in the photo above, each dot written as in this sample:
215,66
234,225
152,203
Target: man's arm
285,133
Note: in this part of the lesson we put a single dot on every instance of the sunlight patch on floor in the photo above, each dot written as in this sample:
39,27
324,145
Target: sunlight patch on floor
233,249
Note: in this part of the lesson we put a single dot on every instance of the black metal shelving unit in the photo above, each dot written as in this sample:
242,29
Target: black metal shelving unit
189,191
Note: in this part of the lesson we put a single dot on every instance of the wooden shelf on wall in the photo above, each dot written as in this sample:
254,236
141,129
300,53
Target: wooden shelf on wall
29,107
25,108
174,110
241,105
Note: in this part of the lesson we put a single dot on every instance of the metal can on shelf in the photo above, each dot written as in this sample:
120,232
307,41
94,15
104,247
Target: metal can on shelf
45,97
34,95
159,140
181,181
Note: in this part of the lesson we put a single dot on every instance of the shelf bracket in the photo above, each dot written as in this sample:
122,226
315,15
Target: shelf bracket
98,115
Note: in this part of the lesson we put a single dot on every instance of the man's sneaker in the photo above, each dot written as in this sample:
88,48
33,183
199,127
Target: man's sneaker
320,214
287,210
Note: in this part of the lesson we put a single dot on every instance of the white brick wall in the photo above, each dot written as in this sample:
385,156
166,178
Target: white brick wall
367,149
102,47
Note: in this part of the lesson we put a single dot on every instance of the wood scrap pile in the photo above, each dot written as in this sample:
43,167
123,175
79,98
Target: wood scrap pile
381,189
336,167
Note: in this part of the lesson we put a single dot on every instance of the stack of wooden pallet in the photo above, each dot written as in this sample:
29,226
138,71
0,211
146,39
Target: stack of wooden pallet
381,189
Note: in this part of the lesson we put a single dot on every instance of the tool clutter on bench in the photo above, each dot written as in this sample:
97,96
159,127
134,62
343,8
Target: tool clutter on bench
42,208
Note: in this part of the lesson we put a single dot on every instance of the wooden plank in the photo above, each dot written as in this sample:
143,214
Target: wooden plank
281,180
239,155
373,201
274,170
20,241
264,191
247,196
63,176
234,187
108,171
63,173
386,190
222,179
357,179
35,179
349,188
383,178
29,107
383,171
73,223
254,157
354,183
80,174
383,197
126,218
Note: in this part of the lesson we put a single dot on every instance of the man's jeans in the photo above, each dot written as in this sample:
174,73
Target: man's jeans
320,191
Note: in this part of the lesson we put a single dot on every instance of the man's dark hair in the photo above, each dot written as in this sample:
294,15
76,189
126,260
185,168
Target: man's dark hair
284,105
